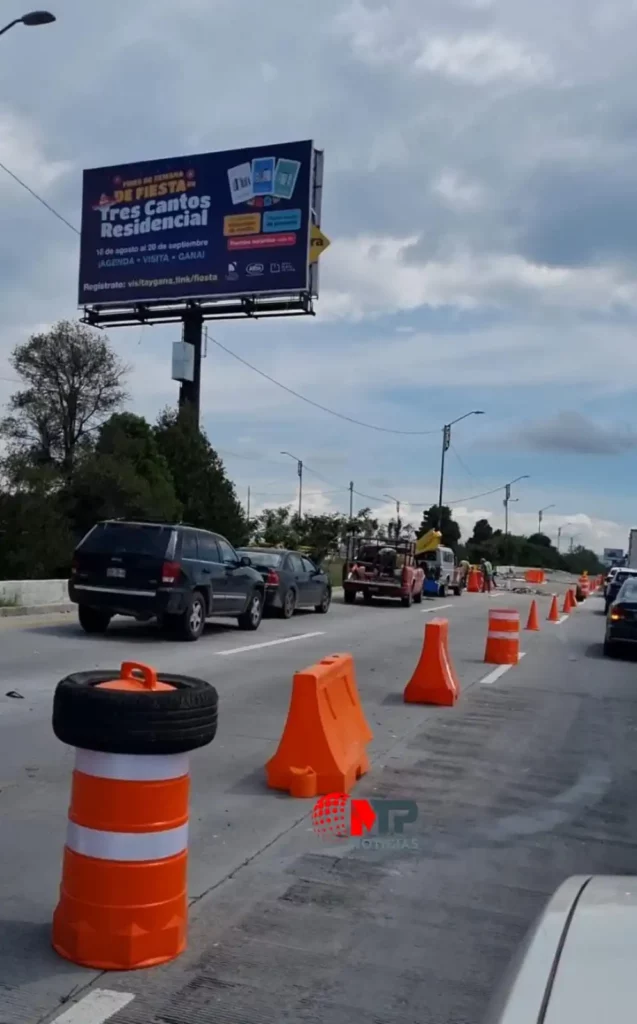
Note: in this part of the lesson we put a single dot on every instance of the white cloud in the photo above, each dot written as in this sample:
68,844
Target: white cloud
480,59
458,193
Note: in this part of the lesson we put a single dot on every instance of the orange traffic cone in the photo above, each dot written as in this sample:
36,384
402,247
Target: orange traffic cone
567,607
533,623
433,680
554,614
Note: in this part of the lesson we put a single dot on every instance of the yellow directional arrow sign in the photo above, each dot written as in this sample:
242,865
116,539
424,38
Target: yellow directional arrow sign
318,243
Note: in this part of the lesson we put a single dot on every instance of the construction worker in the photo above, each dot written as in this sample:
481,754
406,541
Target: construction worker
487,575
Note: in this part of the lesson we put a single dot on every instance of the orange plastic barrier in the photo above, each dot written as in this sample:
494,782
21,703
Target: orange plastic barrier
554,614
535,576
323,746
123,897
434,680
533,622
474,582
503,637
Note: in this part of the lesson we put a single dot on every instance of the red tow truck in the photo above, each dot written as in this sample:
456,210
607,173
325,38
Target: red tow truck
382,568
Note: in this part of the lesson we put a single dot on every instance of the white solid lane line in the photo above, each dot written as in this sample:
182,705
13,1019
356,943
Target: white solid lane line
269,643
96,1007
436,608
498,672
562,619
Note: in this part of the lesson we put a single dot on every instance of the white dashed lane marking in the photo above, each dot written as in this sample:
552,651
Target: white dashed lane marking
96,1007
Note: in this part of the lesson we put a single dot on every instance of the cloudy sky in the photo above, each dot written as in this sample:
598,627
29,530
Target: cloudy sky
480,196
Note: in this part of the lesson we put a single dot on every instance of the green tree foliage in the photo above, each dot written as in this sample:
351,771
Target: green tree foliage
126,475
72,381
482,532
202,487
36,539
448,526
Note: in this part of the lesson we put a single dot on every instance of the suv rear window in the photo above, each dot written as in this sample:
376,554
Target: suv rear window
127,538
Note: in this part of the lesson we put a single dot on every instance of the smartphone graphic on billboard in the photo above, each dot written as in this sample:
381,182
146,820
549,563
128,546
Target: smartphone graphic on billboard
240,181
263,175
285,175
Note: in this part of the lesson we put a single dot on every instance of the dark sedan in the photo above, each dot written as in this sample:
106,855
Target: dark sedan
621,621
291,580
616,584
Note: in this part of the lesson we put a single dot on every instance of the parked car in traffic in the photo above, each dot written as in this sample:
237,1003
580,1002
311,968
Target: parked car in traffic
610,576
616,584
621,618
291,579
169,571
576,964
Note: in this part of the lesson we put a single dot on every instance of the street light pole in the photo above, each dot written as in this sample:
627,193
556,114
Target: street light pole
32,19
299,469
540,516
446,442
508,498
559,533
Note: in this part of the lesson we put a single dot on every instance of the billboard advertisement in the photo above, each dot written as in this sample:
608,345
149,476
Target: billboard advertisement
613,556
209,226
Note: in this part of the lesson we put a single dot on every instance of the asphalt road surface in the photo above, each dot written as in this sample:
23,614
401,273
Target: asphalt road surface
528,779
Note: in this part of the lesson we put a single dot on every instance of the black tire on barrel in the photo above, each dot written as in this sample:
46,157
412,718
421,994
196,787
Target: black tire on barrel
134,722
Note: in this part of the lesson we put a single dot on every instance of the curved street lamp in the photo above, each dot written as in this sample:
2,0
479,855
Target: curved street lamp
299,469
446,442
30,20
540,516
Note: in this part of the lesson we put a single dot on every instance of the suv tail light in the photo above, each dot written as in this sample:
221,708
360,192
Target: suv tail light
272,579
75,564
170,572
616,614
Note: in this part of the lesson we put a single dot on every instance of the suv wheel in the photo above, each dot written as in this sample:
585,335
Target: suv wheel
193,619
288,605
93,620
406,601
251,617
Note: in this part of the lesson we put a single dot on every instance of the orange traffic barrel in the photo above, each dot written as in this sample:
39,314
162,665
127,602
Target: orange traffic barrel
123,898
474,581
503,637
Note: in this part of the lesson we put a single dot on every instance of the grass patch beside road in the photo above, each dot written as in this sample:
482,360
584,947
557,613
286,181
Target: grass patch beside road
8,602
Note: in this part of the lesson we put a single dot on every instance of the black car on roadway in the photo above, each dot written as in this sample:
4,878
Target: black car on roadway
621,618
616,584
291,579
176,573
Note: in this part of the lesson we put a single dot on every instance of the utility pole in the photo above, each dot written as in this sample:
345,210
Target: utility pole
559,533
248,516
351,500
508,498
190,390
299,469
446,442
398,523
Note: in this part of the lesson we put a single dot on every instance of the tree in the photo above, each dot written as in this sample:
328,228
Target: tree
320,534
275,529
72,382
540,539
448,527
482,532
36,541
125,476
201,485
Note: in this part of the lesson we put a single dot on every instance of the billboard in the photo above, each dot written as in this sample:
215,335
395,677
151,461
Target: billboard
215,225
612,556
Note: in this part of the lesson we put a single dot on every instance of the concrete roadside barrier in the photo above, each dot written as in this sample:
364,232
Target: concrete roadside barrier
323,748
123,899
434,680
503,637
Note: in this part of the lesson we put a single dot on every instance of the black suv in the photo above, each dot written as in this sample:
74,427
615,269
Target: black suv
175,573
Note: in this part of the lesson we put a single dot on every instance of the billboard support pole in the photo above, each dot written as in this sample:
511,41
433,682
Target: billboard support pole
190,390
